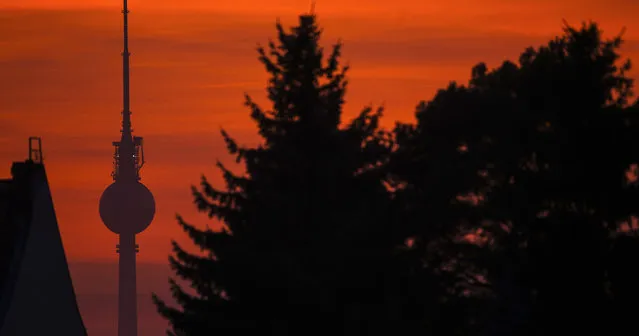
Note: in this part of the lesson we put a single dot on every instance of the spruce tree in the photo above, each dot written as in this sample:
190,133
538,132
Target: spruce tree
307,237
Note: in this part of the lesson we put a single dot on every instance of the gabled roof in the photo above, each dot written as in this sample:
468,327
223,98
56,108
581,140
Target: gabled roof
30,251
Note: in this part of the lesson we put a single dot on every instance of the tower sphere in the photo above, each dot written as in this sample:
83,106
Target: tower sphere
127,207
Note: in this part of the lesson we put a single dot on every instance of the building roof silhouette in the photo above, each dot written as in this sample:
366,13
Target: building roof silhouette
36,291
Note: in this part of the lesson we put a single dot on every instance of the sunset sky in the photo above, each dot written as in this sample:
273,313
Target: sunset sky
192,61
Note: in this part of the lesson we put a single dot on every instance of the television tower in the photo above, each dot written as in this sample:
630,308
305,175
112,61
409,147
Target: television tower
127,207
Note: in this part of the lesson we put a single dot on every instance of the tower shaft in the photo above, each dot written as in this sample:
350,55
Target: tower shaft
127,172
127,286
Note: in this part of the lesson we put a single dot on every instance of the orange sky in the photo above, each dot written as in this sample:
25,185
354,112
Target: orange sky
193,60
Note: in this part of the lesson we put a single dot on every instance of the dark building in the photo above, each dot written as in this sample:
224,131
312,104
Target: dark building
36,291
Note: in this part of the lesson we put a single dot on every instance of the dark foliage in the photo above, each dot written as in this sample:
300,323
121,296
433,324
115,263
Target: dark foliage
307,237
504,210
532,158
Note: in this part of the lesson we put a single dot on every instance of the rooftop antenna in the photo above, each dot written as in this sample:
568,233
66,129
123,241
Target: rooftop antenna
35,149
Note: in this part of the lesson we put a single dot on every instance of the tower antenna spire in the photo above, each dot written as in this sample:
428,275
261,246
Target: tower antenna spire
129,156
126,111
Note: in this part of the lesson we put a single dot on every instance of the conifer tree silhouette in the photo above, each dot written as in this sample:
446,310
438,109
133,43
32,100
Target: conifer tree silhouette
307,240
567,190
532,158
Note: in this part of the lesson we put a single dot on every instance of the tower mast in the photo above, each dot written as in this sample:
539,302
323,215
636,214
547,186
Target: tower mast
126,161
127,248
126,172
127,206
